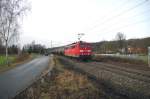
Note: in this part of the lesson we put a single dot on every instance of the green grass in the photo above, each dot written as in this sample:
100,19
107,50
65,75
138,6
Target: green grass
3,59
14,60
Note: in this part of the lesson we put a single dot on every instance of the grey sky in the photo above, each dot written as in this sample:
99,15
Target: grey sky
61,20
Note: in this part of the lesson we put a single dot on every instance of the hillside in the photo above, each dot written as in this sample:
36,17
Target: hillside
112,46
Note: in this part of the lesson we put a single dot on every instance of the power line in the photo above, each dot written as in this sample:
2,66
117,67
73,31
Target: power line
123,12
136,15
120,6
137,22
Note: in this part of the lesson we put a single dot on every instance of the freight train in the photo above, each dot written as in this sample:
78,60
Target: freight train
79,50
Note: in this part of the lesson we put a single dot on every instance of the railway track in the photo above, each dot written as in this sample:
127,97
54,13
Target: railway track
135,81
134,74
140,75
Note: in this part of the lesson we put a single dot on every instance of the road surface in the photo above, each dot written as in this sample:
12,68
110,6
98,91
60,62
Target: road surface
15,80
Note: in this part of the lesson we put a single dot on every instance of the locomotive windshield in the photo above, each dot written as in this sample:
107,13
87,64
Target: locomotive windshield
85,45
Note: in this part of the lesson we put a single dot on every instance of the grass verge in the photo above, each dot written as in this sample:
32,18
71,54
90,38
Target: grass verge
3,59
14,60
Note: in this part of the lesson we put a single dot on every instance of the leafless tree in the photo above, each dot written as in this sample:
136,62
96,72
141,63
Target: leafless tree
10,13
0,42
120,37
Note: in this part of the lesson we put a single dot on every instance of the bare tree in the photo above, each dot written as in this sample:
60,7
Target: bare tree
0,42
10,13
120,37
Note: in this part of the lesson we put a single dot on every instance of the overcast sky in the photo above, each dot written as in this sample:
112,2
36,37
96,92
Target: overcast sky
60,21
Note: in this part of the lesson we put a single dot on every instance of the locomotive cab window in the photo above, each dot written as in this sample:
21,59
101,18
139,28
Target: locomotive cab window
83,45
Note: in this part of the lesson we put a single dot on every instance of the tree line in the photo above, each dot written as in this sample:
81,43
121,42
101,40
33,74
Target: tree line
13,49
123,46
34,48
27,48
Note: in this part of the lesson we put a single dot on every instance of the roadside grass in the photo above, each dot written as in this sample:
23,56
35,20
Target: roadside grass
14,60
11,59
73,85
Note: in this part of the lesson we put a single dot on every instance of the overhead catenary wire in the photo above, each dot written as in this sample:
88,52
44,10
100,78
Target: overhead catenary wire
105,16
127,25
120,14
114,24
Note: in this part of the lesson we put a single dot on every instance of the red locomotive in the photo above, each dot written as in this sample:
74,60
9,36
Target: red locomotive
82,50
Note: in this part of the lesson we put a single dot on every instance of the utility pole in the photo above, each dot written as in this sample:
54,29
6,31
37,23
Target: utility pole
51,44
80,35
149,56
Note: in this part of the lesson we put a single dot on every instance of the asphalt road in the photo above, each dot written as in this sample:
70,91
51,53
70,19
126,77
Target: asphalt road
15,80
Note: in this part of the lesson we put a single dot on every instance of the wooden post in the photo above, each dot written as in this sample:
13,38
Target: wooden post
149,56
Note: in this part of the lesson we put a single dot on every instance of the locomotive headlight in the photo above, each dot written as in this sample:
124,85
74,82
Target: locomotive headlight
81,50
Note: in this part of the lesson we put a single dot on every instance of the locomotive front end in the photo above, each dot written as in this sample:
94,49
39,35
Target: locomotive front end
85,50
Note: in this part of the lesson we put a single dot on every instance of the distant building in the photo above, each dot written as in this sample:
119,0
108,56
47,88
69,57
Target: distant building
134,50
